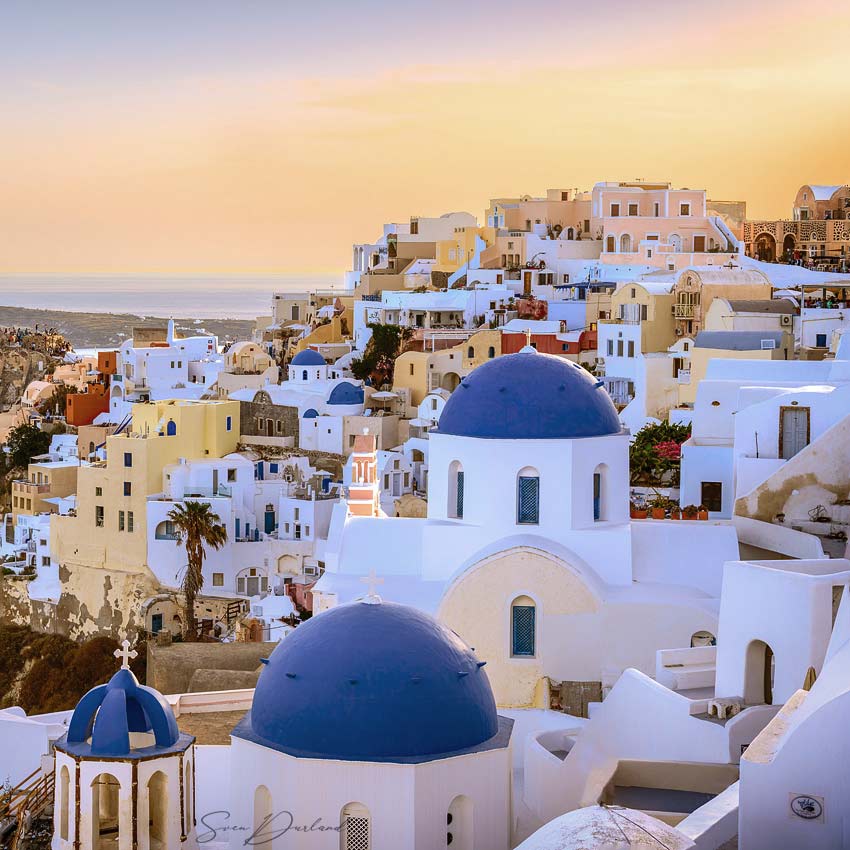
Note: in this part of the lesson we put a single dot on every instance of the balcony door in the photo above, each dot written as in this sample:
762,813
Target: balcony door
794,430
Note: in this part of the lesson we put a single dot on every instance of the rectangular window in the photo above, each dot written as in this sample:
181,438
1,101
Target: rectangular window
619,348
98,491
631,348
128,488
633,209
684,209
643,312
656,209
98,516
278,426
129,520
273,467
229,423
615,210
120,520
522,630
820,340
528,500
231,475
712,495
128,459
610,347
218,579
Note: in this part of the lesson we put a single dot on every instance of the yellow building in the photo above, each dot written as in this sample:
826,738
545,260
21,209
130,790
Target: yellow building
47,480
650,304
419,372
103,549
452,253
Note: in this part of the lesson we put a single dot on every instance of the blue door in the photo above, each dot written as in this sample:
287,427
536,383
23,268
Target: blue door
259,468
269,522
238,523
171,428
156,623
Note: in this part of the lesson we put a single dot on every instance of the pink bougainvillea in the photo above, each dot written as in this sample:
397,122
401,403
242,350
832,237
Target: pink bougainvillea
669,450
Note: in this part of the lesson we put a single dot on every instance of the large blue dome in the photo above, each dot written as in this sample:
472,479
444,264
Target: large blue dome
308,357
530,396
372,682
346,393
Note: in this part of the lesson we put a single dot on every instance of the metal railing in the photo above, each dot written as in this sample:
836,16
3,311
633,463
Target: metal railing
683,311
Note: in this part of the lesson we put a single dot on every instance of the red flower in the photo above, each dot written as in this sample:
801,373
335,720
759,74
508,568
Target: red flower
669,450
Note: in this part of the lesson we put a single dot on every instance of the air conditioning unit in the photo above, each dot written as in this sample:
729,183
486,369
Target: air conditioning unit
768,344
786,320
679,331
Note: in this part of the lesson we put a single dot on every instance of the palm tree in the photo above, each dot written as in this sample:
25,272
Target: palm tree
197,527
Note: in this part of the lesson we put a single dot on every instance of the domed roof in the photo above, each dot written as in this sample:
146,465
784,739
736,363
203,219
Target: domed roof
346,393
530,396
372,682
308,357
606,828
110,713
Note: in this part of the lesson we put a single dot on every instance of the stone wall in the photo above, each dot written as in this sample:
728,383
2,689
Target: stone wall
284,419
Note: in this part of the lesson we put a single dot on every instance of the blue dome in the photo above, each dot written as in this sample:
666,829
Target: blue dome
109,713
308,357
372,682
530,396
345,393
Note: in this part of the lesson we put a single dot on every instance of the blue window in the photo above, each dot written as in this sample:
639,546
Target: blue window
522,629
304,375
128,458
597,496
459,500
273,467
528,500
171,428
229,423
820,340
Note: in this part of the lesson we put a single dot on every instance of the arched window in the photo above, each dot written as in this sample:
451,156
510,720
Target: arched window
104,809
158,811
459,824
262,809
171,428
188,796
600,508
523,627
456,486
611,244
356,827
304,375
491,352
64,788
625,244
470,352
571,233
528,497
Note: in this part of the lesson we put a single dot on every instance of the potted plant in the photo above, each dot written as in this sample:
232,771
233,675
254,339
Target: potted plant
690,512
658,506
637,511
702,512
675,513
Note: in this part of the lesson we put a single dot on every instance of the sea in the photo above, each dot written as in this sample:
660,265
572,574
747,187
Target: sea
196,296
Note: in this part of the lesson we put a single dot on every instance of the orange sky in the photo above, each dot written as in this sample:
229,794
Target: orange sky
224,158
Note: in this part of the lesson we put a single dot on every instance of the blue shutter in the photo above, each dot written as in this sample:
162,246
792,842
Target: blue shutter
459,504
522,630
528,501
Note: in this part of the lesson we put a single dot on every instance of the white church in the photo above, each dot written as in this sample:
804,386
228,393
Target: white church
527,551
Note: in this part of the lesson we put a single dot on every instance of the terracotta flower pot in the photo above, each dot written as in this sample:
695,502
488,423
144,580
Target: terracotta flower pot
689,516
702,515
675,514
638,513
658,513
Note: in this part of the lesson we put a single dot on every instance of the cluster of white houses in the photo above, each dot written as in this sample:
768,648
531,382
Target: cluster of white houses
632,681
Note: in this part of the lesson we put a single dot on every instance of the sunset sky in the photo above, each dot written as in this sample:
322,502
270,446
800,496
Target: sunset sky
268,135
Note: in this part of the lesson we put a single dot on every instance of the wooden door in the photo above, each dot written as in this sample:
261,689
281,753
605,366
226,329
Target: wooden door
794,430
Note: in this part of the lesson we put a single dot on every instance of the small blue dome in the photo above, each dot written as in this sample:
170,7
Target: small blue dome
308,357
311,413
371,682
109,713
345,393
530,396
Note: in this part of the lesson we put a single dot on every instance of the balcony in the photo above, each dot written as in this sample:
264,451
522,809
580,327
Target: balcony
29,488
683,311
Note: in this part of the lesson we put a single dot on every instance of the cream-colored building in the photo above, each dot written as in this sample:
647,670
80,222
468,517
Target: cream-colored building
45,480
103,549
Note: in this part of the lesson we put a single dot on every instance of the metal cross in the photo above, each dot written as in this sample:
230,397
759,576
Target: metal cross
372,581
125,654
528,336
